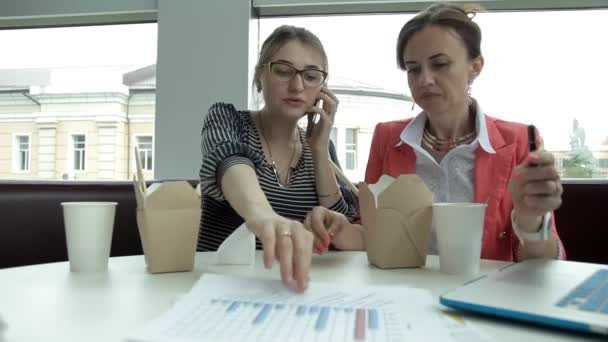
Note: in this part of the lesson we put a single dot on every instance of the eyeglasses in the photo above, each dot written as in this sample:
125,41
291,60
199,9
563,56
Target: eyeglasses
285,73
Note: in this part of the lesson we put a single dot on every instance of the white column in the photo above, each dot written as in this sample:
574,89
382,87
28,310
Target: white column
203,49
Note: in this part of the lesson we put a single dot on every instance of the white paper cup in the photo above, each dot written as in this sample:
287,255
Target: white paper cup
459,228
88,232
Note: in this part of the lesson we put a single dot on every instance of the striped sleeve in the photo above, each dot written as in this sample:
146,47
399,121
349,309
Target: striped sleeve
222,147
347,204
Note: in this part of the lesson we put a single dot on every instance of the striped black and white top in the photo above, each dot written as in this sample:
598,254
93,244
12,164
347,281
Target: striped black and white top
230,137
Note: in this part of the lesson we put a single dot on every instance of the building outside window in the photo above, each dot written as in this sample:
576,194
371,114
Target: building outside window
145,145
22,153
333,136
78,152
351,148
80,104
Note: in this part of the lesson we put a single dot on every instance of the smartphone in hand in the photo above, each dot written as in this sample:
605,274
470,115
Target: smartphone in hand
312,119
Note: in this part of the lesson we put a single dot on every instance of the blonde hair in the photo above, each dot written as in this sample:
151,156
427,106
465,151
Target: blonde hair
277,39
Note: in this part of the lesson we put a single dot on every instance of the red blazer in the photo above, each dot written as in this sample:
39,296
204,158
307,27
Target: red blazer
491,176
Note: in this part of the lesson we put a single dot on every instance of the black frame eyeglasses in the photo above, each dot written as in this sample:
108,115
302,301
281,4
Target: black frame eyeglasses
285,73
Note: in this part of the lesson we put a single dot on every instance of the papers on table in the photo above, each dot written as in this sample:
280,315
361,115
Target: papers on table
229,308
237,249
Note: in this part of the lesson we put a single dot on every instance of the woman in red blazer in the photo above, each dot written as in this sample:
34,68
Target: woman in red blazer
460,153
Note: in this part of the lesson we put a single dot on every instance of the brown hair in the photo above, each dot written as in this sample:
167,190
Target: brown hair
281,36
447,15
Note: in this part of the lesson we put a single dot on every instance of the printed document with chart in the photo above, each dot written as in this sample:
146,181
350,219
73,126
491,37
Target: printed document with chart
230,308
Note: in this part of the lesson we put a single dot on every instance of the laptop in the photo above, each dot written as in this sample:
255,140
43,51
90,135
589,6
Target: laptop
563,294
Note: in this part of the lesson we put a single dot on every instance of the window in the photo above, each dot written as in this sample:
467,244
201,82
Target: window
351,148
78,154
104,86
333,136
145,148
522,80
603,163
21,160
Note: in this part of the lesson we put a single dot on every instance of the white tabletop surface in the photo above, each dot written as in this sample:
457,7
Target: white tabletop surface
48,302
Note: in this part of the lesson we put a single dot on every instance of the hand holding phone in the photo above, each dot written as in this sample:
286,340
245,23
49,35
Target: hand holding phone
312,119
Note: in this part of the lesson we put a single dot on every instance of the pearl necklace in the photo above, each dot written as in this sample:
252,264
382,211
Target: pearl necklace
444,145
273,165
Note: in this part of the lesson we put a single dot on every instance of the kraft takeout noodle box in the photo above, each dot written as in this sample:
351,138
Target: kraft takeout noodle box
168,217
397,215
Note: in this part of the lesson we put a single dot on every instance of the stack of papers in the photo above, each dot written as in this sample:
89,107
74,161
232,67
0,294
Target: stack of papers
229,308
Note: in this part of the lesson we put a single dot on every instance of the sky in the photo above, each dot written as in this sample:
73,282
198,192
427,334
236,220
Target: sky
544,68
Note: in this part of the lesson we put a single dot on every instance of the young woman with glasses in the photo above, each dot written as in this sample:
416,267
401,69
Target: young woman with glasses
260,168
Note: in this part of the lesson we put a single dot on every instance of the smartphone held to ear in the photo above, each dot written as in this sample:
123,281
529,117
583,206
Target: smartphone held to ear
312,118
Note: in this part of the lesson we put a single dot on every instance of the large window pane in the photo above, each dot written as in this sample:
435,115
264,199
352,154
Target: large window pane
549,84
99,80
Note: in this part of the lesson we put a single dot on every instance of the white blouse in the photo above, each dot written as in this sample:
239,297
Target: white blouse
450,180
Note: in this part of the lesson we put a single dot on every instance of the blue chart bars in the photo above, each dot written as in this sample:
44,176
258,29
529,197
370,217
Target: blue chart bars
222,308
303,321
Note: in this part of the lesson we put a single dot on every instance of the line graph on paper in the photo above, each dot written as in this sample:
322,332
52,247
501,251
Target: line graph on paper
229,308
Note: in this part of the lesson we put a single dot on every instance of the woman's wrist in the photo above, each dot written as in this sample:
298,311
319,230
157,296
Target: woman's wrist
352,238
320,152
527,223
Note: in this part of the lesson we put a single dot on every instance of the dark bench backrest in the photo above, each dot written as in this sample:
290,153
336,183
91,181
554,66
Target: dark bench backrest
31,220
582,222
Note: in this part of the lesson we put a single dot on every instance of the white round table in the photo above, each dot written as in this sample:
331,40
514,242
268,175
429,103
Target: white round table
49,303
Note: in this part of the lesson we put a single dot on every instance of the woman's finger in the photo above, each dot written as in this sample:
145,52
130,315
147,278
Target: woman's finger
325,90
317,243
284,252
330,106
544,187
318,216
334,228
540,173
324,117
301,240
541,204
267,237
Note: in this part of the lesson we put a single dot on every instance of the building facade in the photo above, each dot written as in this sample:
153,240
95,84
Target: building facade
64,127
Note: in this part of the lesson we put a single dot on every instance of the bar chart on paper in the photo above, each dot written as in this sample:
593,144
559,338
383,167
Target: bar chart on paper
268,312
266,321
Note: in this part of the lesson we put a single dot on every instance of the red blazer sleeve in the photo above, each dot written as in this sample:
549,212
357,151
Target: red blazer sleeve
376,155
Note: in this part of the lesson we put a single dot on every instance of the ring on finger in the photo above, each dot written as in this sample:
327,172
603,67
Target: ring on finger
285,233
